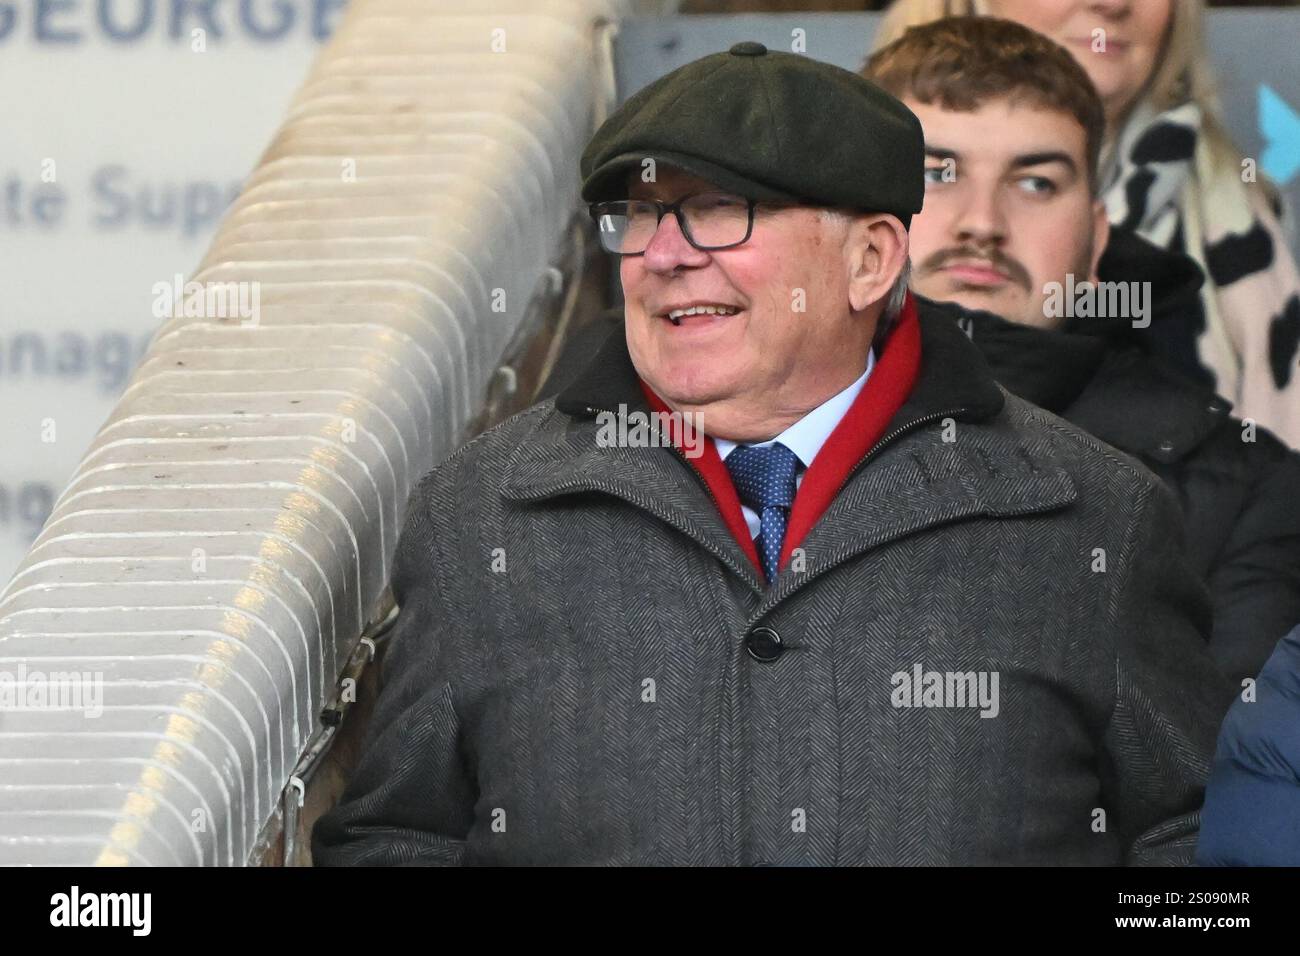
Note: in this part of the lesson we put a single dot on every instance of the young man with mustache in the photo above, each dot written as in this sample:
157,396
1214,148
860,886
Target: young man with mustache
1013,131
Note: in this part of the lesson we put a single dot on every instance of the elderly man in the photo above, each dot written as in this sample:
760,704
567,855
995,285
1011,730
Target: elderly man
1012,225
864,607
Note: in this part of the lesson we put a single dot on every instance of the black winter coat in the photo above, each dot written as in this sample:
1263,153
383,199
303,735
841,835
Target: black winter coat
1238,487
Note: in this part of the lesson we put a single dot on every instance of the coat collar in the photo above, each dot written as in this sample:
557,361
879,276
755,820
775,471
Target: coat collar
928,481
1175,415
1098,379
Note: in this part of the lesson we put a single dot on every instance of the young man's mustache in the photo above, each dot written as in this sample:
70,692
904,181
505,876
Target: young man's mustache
993,258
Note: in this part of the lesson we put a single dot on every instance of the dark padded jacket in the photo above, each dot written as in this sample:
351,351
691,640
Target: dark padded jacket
1252,803
1238,487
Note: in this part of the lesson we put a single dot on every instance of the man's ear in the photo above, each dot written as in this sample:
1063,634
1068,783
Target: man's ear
877,249
1100,236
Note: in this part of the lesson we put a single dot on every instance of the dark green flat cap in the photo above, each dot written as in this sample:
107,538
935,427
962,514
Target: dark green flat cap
767,125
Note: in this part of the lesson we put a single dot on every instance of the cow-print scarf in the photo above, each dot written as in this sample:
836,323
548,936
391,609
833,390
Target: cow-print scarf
1163,184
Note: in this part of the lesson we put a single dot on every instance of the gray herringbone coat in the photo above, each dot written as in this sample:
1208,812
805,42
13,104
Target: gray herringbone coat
569,680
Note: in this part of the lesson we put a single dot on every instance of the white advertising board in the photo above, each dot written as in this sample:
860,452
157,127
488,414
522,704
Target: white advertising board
126,127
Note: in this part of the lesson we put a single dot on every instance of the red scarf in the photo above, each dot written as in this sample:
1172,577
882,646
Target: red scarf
863,424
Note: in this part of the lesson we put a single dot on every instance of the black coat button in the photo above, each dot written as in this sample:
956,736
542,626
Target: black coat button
763,644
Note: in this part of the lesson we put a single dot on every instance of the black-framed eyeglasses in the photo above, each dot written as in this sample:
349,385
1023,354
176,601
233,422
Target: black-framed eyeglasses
709,221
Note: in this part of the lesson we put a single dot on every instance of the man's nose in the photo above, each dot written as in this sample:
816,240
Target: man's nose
668,249
981,219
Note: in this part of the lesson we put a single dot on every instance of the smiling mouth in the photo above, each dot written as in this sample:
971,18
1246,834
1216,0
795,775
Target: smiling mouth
675,316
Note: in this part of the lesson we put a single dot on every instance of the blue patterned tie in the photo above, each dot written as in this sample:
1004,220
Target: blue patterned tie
765,480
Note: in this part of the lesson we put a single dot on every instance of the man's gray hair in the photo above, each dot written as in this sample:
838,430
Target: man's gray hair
894,304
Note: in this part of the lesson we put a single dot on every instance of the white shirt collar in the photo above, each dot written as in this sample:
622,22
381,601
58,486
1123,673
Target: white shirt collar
806,436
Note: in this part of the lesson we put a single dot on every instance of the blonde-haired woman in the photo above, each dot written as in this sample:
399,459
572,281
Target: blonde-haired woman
1172,174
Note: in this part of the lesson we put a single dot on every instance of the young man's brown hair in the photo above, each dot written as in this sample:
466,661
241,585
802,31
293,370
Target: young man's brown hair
962,62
